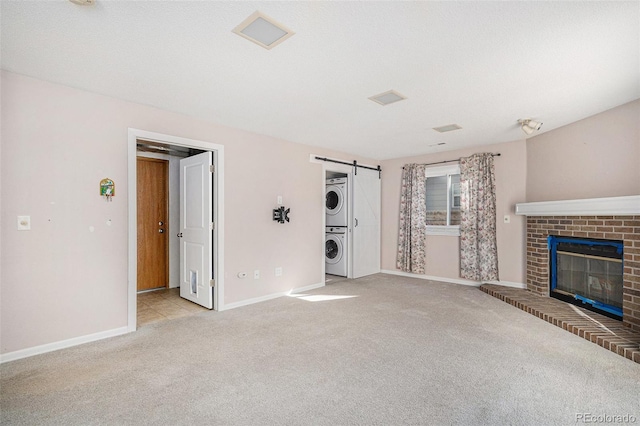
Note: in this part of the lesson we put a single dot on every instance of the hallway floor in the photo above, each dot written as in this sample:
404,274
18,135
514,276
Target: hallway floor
162,305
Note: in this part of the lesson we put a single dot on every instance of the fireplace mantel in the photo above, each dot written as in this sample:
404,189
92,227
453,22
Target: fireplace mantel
611,206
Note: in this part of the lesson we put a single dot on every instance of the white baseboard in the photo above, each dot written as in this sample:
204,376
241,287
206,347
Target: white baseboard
246,302
432,278
452,280
307,288
507,284
50,347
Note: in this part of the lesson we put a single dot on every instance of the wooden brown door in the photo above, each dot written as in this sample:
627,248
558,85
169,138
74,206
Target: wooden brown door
153,248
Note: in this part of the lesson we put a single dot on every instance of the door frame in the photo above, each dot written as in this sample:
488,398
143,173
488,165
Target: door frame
348,170
218,211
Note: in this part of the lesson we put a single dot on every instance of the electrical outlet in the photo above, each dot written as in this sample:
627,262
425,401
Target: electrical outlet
256,274
507,218
279,271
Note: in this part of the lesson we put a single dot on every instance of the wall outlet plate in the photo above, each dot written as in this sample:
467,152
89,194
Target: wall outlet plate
507,218
256,274
278,271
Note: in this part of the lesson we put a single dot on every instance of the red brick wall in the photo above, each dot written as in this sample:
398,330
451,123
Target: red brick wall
622,228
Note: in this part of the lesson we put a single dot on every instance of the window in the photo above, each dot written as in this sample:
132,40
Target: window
443,200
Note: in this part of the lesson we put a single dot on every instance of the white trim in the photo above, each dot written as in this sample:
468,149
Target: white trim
307,288
625,206
507,284
271,296
133,136
62,344
432,278
451,230
452,280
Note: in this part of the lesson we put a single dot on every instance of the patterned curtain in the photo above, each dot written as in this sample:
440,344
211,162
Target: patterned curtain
478,247
413,211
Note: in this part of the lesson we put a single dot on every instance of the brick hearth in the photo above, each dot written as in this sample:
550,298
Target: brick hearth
596,328
621,228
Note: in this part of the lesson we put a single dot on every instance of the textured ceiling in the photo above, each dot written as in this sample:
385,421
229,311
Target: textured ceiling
481,65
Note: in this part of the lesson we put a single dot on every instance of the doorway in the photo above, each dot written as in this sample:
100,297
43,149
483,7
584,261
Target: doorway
363,225
164,144
153,221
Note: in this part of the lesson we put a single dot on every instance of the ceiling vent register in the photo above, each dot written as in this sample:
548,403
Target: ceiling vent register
263,30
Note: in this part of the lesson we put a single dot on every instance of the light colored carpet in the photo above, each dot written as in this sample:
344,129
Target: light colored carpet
402,351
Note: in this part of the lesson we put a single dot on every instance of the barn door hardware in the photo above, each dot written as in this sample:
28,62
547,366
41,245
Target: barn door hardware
354,164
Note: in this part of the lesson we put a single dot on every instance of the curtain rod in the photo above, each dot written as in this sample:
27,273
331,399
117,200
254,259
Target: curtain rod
452,161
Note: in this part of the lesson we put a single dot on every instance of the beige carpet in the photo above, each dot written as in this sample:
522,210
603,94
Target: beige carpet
380,350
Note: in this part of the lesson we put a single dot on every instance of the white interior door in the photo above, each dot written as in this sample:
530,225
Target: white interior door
196,229
365,194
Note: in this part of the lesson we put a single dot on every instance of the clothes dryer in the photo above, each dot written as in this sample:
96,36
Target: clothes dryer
336,251
336,202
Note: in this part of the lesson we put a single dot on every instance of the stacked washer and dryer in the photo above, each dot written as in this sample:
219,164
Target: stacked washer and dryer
336,240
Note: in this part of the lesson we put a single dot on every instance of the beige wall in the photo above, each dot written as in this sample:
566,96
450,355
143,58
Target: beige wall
591,158
443,251
60,280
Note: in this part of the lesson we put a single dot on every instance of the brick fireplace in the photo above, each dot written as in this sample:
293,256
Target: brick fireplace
625,228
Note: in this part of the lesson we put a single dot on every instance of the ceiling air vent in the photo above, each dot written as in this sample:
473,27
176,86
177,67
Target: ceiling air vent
387,98
263,30
447,128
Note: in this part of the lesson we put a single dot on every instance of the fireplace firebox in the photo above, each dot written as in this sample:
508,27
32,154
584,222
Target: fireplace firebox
587,273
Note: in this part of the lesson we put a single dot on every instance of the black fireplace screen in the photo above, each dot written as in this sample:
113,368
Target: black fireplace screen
588,272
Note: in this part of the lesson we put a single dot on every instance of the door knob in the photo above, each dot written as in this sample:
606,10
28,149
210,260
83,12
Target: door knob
160,223
161,231
180,235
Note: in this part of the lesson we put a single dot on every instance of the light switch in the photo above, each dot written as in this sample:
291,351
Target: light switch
24,223
279,200
507,218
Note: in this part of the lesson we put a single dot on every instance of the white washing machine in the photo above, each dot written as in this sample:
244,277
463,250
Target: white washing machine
335,251
336,197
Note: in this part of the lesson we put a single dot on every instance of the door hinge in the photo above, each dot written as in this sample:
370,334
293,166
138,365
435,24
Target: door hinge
212,283
212,168
212,226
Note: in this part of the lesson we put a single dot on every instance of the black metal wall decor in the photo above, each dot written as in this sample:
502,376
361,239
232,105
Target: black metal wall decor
280,214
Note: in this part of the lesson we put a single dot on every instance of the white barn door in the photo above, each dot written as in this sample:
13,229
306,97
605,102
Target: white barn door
365,194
